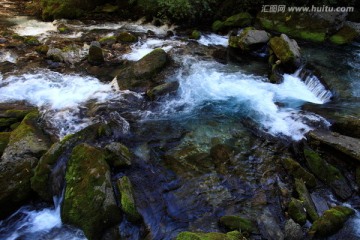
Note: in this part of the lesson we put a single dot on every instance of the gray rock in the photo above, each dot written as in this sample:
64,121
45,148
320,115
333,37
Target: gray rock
293,231
249,39
55,54
287,50
162,89
269,226
95,56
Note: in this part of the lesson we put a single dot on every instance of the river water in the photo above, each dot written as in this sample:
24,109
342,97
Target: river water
214,103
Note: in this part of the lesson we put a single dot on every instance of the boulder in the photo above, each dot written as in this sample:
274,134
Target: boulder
27,143
237,223
95,56
55,54
108,40
346,145
32,41
305,197
287,51
235,235
140,76
327,173
293,231
195,35
297,171
162,90
331,221
297,211
239,20
249,39
127,200
126,37
4,140
42,49
347,125
346,35
63,29
119,155
89,202
269,225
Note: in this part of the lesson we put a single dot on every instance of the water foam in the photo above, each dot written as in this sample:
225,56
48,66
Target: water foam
31,27
203,83
7,56
140,49
59,96
213,39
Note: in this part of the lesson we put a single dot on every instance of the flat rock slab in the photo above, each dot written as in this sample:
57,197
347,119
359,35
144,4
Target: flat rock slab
347,145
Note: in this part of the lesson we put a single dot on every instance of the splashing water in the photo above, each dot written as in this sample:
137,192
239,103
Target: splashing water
59,96
31,27
206,83
213,39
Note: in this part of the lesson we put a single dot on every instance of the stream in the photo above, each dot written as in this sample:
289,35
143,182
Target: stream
233,104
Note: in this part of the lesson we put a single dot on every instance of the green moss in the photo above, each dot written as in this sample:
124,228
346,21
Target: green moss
88,200
235,235
312,36
7,122
18,114
345,36
107,40
331,221
217,26
297,211
126,37
237,223
281,49
17,37
33,41
4,140
127,199
108,8
297,171
195,35
63,29
26,127
42,49
239,20
304,196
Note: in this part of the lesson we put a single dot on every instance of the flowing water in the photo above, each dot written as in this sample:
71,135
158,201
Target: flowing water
214,103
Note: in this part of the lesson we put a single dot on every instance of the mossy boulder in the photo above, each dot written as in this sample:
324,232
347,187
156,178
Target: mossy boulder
127,199
40,182
63,29
237,223
297,171
118,155
249,39
347,125
217,26
287,51
107,40
305,197
327,173
234,235
162,90
331,221
5,123
89,202
126,37
42,49
141,75
345,36
4,140
239,20
108,8
55,54
195,35
297,211
19,114
27,143
95,56
32,41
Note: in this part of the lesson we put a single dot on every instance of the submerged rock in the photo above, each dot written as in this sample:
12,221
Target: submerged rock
127,200
89,201
235,235
26,145
162,90
328,173
95,56
287,51
331,221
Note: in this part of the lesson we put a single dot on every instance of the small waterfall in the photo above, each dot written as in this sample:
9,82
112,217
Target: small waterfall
314,84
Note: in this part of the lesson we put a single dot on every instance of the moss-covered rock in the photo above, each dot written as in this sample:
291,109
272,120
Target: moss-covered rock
119,155
162,90
235,235
297,211
63,29
233,223
127,199
108,8
32,41
95,56
327,173
107,40
195,35
55,55
287,50
4,140
249,39
27,143
5,123
19,114
89,202
331,221
297,171
345,36
126,37
239,20
140,75
304,196
217,26
347,125
42,49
